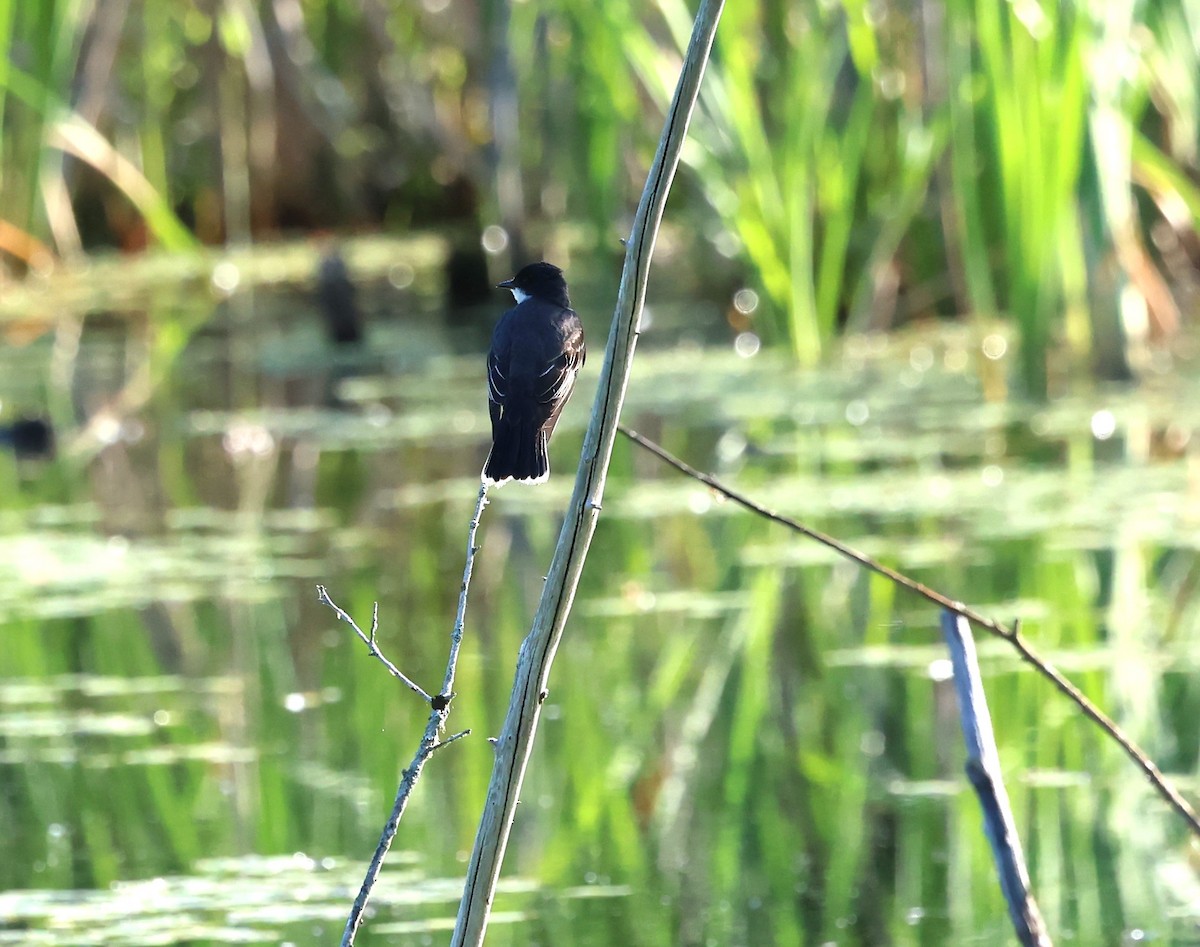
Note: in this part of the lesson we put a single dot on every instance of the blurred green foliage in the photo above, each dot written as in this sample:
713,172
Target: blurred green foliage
863,164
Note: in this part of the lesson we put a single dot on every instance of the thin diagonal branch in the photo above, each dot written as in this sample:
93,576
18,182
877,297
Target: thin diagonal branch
1011,635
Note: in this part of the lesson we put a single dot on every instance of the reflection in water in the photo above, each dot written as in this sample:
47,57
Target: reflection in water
339,300
746,741
28,438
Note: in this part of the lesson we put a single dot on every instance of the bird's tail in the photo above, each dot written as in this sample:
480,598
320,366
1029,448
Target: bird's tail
518,453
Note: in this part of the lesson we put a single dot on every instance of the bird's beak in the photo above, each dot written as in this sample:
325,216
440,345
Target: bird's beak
507,284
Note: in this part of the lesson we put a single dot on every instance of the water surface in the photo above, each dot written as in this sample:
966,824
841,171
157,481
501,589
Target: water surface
747,740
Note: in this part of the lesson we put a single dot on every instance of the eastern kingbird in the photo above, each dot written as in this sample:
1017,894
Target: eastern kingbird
537,350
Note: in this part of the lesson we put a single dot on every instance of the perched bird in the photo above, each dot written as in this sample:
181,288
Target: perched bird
537,351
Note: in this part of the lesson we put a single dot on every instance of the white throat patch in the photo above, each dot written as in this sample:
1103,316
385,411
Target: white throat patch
519,294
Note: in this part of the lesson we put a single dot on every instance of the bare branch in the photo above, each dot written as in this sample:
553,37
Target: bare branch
430,744
369,641
515,742
1011,635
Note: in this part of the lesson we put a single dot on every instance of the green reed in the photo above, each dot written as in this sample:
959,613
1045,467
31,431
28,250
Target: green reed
1029,67
824,124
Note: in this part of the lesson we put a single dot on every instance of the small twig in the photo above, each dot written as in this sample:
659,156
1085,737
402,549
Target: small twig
449,740
430,744
369,641
1011,635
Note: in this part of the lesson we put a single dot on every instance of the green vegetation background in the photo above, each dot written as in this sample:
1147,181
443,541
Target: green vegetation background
864,164
775,779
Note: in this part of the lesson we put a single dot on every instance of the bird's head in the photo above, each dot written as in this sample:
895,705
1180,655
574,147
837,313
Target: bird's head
540,280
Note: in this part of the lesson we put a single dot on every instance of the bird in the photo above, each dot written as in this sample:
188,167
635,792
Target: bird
536,354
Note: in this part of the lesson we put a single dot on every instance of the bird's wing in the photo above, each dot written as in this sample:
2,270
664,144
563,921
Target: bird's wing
558,378
498,359
497,383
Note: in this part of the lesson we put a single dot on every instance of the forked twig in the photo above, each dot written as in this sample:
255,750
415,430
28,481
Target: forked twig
370,642
439,711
